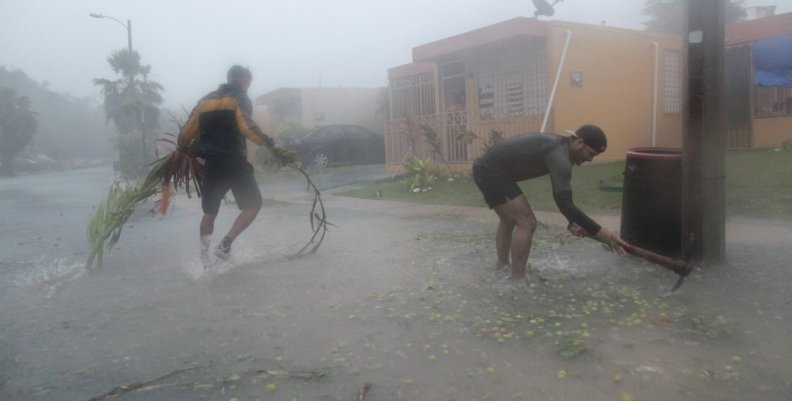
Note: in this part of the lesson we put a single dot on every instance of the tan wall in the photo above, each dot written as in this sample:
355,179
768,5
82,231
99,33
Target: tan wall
771,132
358,106
262,118
617,66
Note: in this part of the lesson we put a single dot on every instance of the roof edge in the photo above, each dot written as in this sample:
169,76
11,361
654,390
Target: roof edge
520,26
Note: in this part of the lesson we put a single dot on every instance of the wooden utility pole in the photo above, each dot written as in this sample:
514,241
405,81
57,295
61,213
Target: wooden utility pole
703,176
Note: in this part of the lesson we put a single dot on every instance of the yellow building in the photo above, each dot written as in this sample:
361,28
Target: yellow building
759,82
497,81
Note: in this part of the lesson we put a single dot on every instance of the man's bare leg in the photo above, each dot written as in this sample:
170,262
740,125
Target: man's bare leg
503,238
519,211
246,216
207,225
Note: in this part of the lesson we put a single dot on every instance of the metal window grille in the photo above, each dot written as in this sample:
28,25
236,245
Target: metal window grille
413,96
512,81
673,82
772,101
454,117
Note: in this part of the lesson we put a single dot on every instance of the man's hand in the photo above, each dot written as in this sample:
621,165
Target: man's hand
284,157
611,238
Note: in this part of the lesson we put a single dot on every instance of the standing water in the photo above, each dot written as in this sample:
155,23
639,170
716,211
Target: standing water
404,297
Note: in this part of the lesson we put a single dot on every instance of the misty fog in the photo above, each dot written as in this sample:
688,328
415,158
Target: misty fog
405,298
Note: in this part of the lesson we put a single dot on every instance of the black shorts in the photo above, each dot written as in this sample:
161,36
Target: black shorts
234,173
495,184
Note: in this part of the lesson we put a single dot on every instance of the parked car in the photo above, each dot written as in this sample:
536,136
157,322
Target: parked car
339,144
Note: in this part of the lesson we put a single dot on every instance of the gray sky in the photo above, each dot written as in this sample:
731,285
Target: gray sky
293,43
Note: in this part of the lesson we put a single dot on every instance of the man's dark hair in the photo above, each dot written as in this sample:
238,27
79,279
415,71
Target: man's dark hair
593,136
238,72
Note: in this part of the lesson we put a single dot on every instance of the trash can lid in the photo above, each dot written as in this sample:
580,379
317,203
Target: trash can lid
655,153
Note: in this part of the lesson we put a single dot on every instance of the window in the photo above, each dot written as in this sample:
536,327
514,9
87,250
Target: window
413,96
454,86
772,101
512,81
359,134
673,82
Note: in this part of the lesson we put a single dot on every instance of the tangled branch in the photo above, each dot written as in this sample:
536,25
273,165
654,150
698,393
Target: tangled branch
318,219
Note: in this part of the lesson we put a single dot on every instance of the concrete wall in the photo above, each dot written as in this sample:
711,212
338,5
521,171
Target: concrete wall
315,107
617,67
358,106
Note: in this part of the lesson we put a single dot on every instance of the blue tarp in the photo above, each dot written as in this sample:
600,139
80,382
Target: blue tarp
772,60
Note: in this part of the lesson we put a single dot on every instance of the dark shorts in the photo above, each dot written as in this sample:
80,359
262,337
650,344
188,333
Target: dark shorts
236,174
495,184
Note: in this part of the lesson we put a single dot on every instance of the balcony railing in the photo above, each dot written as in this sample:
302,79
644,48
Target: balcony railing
459,139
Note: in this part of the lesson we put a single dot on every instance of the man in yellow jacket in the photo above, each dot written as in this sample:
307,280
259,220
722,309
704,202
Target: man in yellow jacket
217,130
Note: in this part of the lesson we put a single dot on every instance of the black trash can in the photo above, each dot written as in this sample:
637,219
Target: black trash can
652,200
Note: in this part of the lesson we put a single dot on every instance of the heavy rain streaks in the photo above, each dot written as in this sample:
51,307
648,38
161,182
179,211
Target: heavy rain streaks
420,311
405,299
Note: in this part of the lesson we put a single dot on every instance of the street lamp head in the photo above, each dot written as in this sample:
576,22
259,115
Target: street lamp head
127,26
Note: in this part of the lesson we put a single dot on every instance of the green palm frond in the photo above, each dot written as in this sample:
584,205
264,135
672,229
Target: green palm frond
106,224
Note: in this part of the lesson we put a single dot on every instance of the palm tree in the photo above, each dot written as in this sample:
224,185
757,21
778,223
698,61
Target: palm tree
667,15
132,102
18,123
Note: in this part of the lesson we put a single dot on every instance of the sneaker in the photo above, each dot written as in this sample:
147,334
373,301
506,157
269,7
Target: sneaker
223,252
205,259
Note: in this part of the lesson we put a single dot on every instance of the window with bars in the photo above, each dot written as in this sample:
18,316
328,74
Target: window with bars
413,96
772,101
512,81
452,75
672,97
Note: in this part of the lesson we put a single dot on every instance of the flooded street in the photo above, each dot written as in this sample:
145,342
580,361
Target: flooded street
404,297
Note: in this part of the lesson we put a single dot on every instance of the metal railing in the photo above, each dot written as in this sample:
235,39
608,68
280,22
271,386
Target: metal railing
459,139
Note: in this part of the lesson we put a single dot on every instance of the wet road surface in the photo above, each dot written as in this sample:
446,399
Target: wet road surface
405,297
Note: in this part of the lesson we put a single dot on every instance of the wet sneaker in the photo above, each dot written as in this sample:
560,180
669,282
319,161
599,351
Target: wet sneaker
205,252
205,258
223,252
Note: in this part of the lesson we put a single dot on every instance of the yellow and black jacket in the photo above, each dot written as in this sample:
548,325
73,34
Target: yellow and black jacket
220,123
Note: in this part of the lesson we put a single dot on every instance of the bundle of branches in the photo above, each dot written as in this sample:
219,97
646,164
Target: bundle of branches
179,168
105,226
273,160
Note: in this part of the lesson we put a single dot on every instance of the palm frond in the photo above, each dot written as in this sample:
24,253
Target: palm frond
106,224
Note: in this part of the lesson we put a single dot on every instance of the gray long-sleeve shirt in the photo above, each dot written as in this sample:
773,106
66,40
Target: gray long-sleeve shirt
529,156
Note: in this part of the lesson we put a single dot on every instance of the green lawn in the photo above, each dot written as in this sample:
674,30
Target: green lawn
758,184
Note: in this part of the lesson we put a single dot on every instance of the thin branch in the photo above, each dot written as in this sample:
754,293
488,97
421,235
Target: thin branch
318,220
361,395
151,384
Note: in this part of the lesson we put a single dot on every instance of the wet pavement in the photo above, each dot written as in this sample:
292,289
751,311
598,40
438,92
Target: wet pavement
404,297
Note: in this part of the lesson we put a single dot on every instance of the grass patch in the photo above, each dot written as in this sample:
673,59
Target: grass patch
463,191
758,184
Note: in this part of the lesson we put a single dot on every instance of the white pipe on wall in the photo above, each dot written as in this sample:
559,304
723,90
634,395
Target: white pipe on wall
555,84
654,92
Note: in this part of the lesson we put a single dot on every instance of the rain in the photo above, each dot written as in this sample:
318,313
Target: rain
371,270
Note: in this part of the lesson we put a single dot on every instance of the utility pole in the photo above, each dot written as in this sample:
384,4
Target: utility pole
703,163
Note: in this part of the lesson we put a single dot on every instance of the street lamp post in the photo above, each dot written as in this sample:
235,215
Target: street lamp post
127,26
